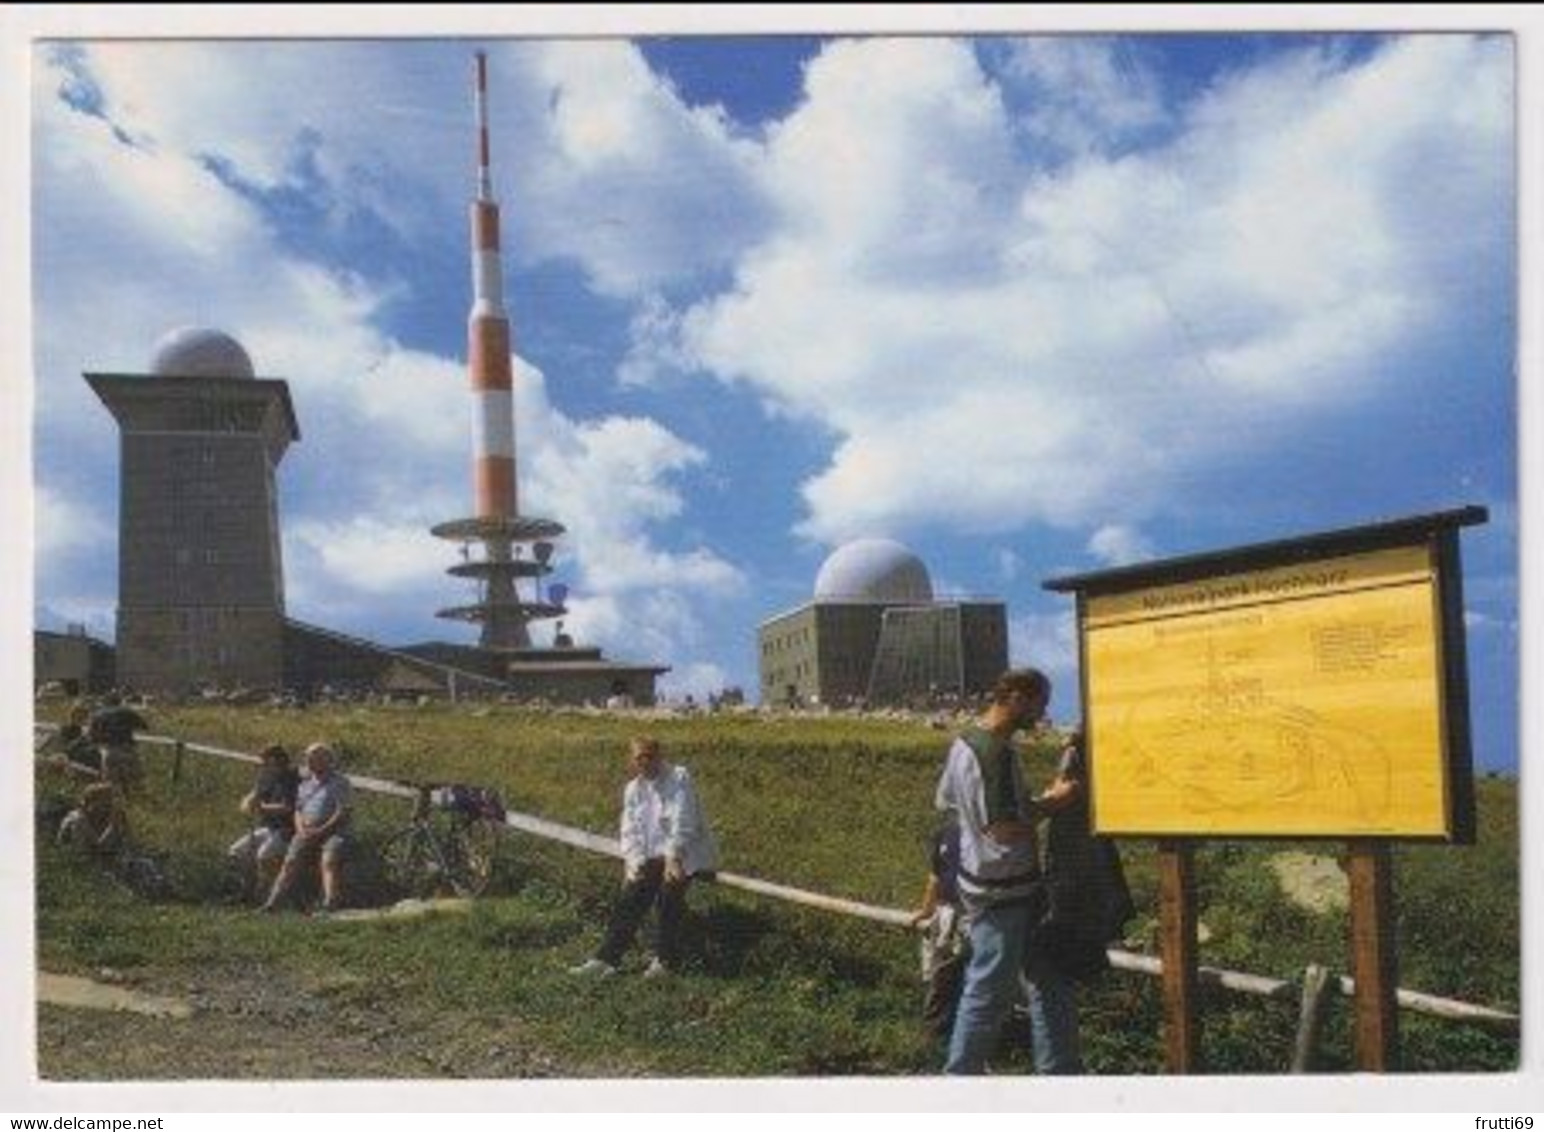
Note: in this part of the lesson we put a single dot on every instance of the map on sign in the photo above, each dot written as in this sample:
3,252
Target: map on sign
1302,700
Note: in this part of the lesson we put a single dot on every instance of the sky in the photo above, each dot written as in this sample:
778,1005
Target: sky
1031,305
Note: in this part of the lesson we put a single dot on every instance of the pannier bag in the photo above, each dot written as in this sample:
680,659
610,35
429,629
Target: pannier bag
471,801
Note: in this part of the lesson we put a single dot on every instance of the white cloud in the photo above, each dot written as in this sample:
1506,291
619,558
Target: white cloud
599,160
995,344
1080,95
62,524
1049,642
306,118
373,556
624,178
662,625
1475,621
698,681
1117,545
1009,564
96,612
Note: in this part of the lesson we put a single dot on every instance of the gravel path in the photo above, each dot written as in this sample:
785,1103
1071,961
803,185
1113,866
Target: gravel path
249,1023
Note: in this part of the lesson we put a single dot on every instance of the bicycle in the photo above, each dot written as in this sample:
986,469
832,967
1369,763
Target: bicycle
428,856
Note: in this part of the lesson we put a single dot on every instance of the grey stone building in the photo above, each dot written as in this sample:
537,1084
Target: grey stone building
874,634
200,578
78,664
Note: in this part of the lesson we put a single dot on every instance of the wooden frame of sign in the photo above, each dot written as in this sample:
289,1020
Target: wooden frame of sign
1314,687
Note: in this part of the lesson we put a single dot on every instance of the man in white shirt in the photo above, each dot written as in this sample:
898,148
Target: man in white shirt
665,842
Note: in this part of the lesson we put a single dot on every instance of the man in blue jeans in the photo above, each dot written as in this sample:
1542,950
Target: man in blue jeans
999,882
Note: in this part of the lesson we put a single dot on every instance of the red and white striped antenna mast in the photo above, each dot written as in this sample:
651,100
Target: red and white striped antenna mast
496,522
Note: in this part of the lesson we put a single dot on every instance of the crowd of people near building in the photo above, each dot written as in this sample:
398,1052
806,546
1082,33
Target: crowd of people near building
1018,906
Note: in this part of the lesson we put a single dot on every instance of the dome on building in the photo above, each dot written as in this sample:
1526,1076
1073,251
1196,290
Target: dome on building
197,351
874,569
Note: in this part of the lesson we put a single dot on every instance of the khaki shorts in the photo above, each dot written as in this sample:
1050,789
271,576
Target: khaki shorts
262,844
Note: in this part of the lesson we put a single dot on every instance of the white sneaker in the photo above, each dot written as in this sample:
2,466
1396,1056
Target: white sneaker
594,967
655,969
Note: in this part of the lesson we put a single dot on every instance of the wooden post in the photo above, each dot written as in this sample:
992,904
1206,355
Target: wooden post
1177,928
1372,954
1310,1021
179,748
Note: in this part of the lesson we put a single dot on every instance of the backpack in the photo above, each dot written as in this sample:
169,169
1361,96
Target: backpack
476,803
1088,902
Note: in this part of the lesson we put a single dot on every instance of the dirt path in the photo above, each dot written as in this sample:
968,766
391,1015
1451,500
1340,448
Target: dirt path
73,990
254,1024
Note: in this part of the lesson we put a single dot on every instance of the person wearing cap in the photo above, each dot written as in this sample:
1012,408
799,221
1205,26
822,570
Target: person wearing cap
323,812
112,729
1000,886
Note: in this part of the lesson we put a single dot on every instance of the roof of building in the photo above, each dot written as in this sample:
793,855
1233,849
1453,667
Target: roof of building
873,570
200,351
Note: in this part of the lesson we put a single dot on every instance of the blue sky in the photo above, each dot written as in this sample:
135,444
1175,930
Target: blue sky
1031,305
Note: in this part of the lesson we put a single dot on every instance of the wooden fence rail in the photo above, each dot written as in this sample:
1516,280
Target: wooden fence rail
1243,982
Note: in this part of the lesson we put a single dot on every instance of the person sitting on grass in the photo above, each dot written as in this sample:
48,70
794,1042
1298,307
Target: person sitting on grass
70,749
665,842
270,804
112,729
99,824
323,812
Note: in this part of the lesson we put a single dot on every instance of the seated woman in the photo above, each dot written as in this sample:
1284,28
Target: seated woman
271,806
98,825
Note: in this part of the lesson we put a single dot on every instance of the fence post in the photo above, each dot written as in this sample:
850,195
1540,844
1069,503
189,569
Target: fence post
179,748
1310,1022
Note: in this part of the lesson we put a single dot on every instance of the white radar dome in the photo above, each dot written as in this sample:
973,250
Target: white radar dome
197,351
874,569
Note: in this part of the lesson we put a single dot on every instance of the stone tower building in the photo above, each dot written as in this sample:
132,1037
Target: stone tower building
200,577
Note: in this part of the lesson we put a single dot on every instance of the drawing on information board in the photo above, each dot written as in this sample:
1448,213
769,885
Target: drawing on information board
1235,747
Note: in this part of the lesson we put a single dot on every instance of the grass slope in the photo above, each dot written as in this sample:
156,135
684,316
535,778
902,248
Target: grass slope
840,806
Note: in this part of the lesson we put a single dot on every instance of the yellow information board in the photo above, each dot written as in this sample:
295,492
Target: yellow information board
1302,700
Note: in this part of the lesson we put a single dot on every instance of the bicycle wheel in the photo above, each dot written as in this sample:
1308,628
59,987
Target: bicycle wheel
412,867
472,848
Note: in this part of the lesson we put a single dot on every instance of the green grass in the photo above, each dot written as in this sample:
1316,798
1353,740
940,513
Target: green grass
839,806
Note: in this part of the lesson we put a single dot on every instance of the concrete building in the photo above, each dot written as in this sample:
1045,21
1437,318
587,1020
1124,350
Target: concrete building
200,577
875,634
76,663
